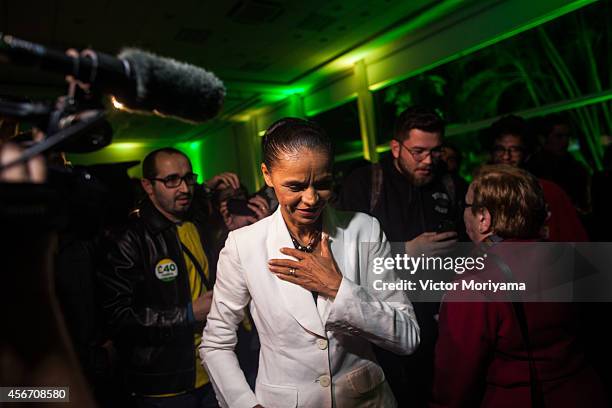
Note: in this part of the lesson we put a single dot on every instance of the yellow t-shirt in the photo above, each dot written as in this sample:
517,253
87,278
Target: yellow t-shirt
189,236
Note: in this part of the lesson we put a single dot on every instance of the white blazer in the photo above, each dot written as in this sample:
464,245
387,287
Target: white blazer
310,357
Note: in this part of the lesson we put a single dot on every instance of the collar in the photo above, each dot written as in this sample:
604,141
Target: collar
154,220
488,243
492,239
298,300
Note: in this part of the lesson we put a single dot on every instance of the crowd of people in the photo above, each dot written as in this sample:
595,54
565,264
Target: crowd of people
205,295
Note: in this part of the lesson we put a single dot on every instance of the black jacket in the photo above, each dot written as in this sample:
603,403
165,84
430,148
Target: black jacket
404,210
151,320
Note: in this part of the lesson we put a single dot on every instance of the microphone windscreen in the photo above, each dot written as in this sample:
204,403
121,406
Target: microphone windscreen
172,88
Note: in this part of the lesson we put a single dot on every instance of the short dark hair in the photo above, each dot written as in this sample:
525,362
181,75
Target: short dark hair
291,135
510,125
149,168
418,117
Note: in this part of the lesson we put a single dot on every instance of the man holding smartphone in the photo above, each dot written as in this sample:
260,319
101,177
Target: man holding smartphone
416,203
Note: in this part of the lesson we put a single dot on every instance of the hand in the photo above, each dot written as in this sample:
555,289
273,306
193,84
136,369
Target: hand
431,243
257,204
224,180
201,306
32,171
317,272
260,206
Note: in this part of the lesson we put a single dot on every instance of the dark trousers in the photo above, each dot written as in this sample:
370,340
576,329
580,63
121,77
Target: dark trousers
203,397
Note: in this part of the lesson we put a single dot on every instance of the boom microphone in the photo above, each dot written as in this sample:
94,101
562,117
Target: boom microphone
138,79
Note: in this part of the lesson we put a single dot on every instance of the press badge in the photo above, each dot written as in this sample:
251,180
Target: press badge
166,270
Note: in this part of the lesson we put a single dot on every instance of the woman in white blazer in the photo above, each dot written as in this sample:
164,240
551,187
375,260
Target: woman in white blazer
304,276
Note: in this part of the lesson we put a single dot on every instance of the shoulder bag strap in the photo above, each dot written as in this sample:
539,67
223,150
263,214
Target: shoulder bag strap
377,180
537,394
198,267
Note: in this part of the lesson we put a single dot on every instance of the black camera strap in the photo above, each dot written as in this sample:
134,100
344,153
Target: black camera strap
198,267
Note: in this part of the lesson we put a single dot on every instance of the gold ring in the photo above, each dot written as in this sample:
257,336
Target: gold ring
292,271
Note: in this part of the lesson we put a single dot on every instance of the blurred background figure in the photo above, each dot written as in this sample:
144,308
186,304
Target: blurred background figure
555,163
98,199
451,156
601,193
30,214
510,143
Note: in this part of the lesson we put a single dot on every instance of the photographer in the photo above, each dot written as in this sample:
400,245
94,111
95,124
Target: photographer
239,210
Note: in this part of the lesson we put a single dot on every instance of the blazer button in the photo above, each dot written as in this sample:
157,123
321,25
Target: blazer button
324,381
322,344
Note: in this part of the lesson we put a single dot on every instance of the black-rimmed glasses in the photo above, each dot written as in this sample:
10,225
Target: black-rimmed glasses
419,154
512,150
174,180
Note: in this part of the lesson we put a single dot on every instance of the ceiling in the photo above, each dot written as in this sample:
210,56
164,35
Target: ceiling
252,45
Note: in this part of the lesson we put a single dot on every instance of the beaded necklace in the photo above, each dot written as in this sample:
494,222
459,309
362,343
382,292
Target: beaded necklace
308,247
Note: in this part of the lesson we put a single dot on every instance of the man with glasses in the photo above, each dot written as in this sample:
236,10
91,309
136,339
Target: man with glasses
510,144
159,289
408,191
419,204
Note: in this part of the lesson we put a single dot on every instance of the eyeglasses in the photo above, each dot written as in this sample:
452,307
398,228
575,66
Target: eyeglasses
512,150
419,154
173,181
467,205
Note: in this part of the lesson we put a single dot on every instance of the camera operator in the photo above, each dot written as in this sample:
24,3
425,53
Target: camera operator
33,171
33,212
30,216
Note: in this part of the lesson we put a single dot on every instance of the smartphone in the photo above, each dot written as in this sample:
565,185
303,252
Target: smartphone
445,226
239,206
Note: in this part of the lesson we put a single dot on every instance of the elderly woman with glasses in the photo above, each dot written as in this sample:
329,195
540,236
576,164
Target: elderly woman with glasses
504,352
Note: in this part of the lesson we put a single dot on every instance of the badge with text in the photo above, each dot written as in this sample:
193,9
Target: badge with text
442,202
166,270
